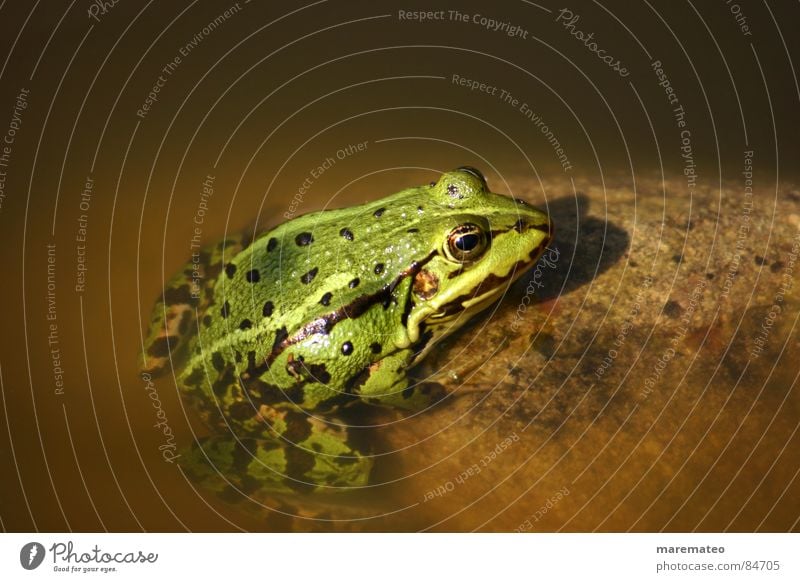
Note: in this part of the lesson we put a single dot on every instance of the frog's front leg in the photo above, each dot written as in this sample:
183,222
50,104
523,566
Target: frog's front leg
282,450
386,383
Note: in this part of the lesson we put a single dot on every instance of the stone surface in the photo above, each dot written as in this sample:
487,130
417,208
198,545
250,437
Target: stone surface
650,385
642,377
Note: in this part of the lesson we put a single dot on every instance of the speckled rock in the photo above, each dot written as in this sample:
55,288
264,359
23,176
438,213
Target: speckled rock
646,385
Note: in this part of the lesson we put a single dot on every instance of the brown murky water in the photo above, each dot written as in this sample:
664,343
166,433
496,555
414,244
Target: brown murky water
650,381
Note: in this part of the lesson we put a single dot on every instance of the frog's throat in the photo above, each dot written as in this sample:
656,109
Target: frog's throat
450,308
472,305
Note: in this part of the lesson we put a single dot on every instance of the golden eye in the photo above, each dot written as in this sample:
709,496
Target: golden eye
466,242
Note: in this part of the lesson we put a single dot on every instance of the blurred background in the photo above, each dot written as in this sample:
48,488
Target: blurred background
632,118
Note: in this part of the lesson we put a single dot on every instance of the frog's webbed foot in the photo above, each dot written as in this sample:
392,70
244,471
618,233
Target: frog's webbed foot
298,453
251,477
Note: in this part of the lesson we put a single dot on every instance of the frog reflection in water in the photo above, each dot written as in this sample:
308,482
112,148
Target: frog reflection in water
287,332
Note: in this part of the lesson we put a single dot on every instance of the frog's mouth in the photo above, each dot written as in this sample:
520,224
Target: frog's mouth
453,309
494,286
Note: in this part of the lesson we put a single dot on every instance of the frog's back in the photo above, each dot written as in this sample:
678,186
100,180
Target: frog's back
292,286
311,268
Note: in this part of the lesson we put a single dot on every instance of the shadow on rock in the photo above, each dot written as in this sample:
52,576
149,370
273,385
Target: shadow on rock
586,247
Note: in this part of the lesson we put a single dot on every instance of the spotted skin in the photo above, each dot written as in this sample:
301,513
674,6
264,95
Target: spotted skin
173,324
323,316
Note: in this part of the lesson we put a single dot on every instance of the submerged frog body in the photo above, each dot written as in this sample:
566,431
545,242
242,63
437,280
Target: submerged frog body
327,310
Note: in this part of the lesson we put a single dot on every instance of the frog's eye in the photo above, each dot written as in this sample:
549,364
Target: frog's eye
475,172
466,243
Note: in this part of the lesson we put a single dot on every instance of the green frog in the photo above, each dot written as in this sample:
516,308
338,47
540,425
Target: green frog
278,340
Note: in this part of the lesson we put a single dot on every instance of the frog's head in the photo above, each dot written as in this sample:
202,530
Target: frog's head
482,242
